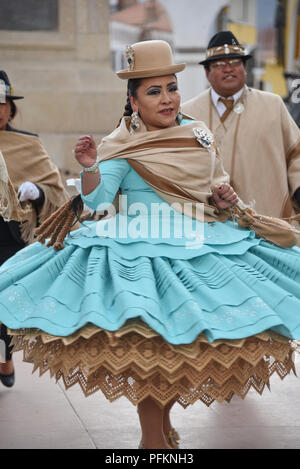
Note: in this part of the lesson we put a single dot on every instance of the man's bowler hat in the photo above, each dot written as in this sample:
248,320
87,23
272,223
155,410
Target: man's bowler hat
6,89
224,45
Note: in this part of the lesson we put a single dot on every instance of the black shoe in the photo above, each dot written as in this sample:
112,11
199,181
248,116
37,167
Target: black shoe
8,380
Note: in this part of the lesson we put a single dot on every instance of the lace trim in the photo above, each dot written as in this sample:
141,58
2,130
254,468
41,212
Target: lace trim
136,362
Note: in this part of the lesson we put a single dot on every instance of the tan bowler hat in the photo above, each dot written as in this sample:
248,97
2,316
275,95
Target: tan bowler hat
149,59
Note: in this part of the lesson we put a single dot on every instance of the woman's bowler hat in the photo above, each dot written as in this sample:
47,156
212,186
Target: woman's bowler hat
149,59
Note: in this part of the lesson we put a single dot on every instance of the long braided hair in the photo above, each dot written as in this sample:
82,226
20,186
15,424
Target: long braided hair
132,87
60,223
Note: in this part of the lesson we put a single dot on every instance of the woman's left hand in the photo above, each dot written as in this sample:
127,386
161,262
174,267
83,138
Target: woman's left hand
224,196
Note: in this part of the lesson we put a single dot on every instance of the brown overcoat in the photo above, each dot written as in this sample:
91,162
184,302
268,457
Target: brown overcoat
24,158
260,147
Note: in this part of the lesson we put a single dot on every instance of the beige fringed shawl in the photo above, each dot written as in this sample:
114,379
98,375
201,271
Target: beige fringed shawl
23,158
172,161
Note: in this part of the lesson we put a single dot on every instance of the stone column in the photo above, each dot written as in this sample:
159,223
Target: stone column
66,78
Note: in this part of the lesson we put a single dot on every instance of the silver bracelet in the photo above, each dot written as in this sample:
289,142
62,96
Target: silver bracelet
91,169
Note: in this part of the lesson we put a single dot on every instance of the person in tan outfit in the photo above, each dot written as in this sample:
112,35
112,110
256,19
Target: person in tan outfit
257,138
37,191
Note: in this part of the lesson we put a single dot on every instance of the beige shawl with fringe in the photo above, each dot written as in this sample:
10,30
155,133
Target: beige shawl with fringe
172,161
23,158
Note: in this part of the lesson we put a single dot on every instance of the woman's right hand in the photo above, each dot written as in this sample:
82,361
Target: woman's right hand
86,151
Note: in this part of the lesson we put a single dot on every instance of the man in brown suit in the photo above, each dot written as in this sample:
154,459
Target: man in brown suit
257,138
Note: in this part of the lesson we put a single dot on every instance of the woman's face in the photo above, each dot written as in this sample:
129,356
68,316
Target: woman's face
157,102
5,110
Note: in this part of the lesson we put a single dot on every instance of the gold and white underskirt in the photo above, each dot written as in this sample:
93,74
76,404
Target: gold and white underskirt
137,363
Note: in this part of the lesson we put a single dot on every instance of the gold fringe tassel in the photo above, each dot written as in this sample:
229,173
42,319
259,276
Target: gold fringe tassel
60,223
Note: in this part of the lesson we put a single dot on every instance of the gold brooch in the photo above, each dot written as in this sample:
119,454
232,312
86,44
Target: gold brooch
130,57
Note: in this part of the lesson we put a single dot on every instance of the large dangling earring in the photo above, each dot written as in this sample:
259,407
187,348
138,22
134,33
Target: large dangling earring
134,123
179,117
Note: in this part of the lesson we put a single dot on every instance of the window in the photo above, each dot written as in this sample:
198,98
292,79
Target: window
29,15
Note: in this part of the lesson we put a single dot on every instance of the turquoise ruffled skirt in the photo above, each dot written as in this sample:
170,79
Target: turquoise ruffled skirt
155,316
224,290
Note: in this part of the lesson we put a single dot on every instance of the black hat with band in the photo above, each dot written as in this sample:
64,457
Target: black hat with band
224,45
6,89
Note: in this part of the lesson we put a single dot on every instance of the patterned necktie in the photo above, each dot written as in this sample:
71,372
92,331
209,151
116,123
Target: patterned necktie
229,106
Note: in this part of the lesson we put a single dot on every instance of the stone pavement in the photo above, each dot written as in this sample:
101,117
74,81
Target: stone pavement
37,413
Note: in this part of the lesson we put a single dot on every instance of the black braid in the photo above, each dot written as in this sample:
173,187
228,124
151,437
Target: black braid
132,86
128,109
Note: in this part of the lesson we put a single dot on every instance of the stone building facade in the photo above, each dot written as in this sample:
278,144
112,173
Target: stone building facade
59,60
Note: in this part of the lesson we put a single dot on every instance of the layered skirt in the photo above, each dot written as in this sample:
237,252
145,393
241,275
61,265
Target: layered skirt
140,319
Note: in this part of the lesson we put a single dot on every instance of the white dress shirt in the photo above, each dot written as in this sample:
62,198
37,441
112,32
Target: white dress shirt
220,107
